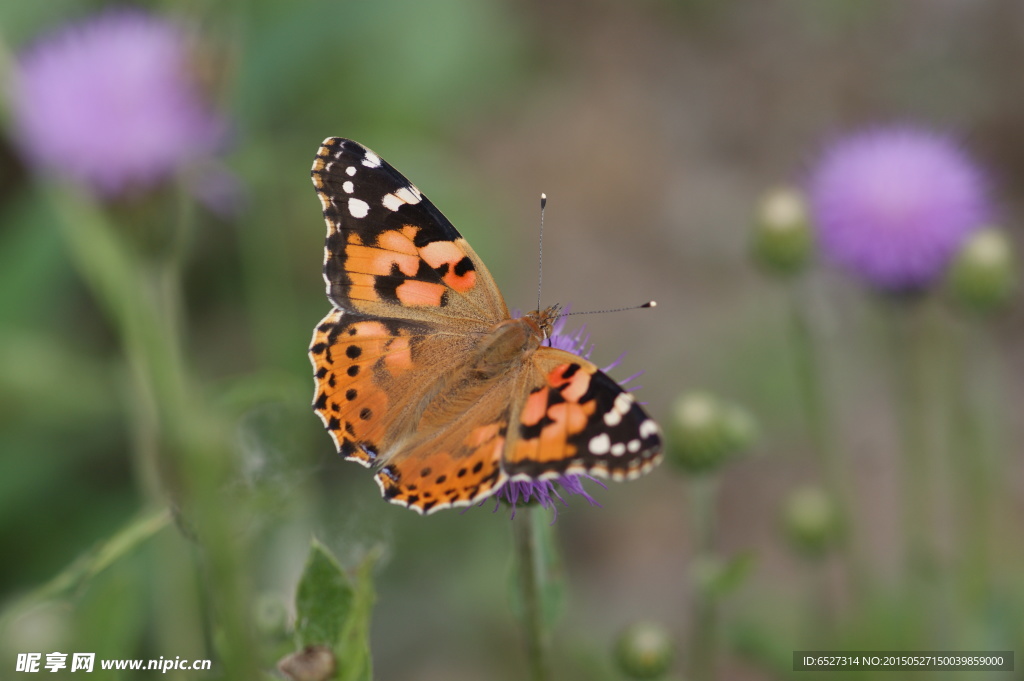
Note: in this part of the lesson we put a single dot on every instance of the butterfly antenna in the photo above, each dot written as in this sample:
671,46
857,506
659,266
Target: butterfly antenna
649,303
540,247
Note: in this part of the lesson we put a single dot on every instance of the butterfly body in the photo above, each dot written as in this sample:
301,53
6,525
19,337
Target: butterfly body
422,373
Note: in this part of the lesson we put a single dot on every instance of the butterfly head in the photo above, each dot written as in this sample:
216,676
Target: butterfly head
545,320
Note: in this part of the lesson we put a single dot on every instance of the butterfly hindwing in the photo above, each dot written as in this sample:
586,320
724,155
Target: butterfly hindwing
353,405
370,375
453,457
373,380
456,472
575,419
389,250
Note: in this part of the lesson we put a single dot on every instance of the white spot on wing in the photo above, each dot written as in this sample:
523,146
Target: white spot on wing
600,444
409,194
371,160
348,186
618,449
350,171
633,446
619,409
648,428
358,209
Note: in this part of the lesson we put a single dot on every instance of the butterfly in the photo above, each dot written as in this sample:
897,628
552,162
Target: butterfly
422,373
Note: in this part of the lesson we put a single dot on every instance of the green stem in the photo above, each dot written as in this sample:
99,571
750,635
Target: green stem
264,249
531,575
704,619
917,464
820,614
191,442
814,397
176,587
916,363
974,460
135,533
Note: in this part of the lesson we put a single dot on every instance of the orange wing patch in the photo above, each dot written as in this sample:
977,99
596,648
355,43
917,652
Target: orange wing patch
449,259
420,293
575,420
393,269
433,479
552,416
349,361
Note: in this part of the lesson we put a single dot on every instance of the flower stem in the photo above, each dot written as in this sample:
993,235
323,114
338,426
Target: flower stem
814,397
917,474
530,574
191,442
913,354
704,618
975,460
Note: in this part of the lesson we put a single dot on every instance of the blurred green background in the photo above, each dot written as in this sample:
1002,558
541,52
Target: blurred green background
653,126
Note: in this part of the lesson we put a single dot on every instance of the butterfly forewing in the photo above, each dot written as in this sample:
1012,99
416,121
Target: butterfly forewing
389,251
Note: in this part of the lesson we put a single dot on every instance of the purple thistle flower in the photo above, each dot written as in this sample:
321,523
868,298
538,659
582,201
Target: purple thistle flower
577,342
544,492
110,103
547,492
894,205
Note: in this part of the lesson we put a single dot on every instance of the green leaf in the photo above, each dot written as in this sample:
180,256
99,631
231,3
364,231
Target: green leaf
324,599
334,610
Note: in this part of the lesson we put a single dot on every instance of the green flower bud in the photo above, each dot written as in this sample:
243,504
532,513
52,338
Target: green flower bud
738,428
811,520
984,273
644,651
782,240
705,432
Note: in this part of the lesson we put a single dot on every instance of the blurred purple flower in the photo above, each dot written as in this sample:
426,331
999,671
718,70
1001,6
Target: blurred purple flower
545,492
894,205
110,103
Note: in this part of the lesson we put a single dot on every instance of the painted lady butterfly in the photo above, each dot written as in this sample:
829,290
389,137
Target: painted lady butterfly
421,371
